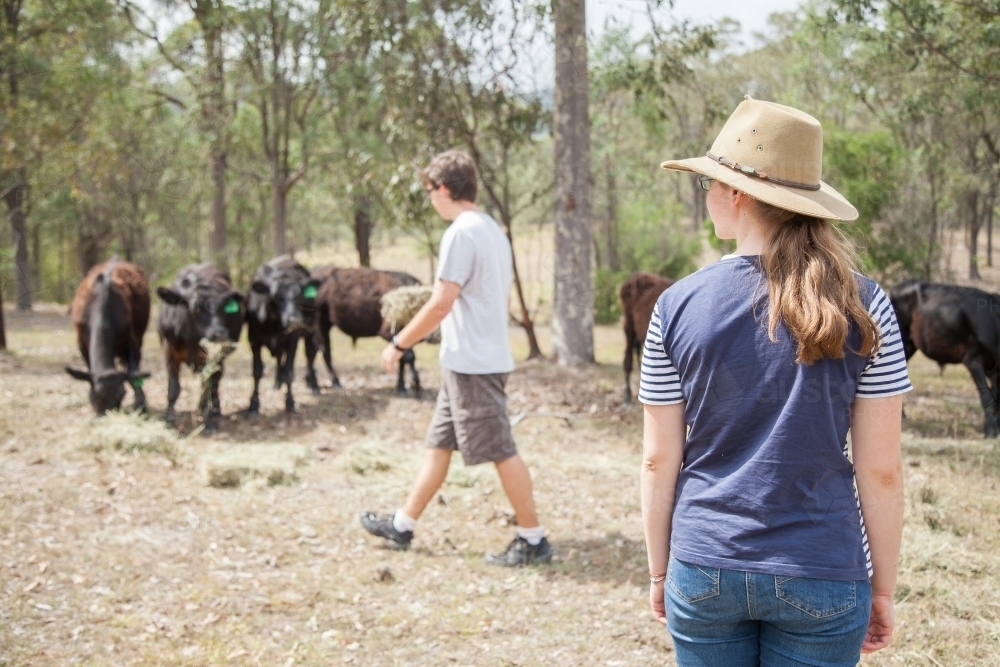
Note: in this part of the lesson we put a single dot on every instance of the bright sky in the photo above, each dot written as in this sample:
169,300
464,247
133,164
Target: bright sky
752,14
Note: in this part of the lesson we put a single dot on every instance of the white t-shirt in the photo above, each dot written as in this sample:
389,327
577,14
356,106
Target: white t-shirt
476,254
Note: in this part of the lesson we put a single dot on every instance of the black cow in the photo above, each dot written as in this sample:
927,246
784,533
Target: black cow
110,313
951,324
351,299
201,304
280,310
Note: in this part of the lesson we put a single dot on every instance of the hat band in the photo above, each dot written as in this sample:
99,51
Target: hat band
750,171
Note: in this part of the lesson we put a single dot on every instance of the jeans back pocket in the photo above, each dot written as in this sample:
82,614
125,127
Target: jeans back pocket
820,598
692,582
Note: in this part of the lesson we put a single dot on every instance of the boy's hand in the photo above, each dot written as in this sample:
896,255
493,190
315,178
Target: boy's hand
390,357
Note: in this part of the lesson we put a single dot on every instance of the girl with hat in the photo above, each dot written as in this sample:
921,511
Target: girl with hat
767,545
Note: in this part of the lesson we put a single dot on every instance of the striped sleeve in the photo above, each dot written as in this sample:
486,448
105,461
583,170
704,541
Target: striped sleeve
885,374
659,382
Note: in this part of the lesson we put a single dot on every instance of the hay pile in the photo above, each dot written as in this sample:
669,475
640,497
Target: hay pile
215,354
130,433
401,305
274,463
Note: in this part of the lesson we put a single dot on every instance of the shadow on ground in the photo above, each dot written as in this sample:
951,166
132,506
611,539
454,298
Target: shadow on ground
614,559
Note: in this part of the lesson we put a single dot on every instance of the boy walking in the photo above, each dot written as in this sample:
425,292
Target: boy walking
469,302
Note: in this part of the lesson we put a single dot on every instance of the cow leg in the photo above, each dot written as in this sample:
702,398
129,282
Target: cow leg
173,388
400,384
974,362
328,356
410,358
288,371
211,408
311,349
258,372
133,369
627,367
279,365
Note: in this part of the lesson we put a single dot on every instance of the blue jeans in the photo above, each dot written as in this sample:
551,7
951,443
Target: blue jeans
729,618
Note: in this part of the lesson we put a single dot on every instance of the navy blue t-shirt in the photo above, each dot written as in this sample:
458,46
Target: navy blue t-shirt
766,485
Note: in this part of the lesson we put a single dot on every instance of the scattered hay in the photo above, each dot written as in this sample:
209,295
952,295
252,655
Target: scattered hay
401,305
129,433
274,463
215,354
367,456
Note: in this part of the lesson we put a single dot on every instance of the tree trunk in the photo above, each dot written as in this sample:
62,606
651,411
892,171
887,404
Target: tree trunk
3,328
611,222
698,212
363,230
972,211
278,200
932,234
15,198
573,294
214,116
990,205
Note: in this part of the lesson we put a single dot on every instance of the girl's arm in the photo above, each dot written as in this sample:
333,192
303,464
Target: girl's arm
878,467
664,431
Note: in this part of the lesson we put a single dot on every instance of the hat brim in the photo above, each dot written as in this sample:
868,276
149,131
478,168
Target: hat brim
824,203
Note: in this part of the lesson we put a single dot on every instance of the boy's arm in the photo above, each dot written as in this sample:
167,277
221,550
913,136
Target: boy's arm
423,323
430,315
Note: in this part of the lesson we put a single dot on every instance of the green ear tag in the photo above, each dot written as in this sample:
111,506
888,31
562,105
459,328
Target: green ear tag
309,292
138,382
232,306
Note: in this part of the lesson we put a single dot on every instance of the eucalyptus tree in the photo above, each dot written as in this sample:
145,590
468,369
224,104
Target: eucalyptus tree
938,60
201,57
284,42
56,59
573,294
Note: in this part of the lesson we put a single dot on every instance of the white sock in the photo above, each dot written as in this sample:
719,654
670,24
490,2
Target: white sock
402,522
532,535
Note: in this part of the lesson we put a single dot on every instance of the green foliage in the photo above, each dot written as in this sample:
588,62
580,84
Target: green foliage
650,240
725,246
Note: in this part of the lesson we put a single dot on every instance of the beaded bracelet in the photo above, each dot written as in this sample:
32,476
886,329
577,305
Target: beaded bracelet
657,578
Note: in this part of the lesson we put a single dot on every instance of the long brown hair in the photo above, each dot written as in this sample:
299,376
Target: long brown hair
811,286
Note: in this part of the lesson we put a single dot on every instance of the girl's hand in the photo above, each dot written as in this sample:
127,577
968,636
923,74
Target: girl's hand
656,602
880,625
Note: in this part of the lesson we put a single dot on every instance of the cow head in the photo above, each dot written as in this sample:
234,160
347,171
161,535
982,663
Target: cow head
107,389
286,296
215,316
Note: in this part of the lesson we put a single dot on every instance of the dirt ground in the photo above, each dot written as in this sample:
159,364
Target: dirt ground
111,558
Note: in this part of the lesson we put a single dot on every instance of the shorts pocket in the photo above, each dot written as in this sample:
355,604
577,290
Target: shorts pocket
820,598
692,582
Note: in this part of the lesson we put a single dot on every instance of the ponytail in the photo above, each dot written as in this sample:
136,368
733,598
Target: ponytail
812,288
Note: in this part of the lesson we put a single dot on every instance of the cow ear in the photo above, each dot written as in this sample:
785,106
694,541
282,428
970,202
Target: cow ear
79,375
260,287
170,297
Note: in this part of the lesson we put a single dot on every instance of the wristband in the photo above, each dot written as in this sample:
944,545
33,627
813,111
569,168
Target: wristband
656,578
399,347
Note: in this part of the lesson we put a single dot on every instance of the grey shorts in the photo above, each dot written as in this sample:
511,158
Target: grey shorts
471,416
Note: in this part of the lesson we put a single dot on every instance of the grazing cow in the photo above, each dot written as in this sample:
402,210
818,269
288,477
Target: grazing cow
201,304
638,296
351,299
110,313
280,309
951,324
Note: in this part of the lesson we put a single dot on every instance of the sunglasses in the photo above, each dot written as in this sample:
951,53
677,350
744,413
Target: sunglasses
705,182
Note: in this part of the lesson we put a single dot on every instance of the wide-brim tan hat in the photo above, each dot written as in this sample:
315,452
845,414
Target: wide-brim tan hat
774,154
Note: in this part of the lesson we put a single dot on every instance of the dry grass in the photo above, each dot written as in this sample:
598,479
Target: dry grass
109,558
